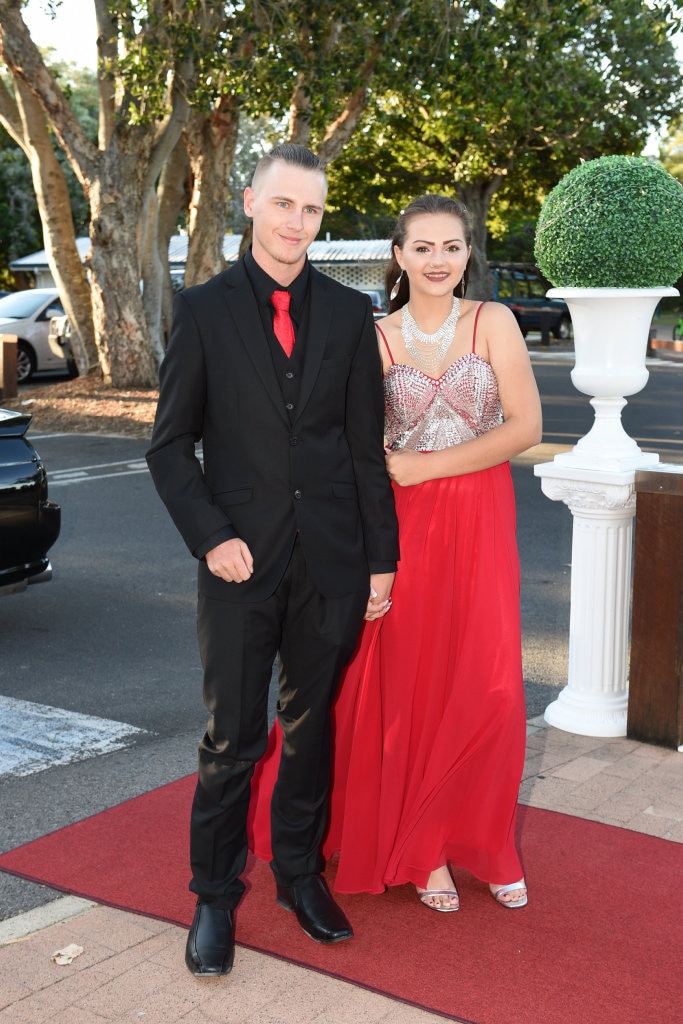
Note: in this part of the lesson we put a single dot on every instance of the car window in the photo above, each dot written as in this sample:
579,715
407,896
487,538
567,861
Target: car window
54,309
20,305
537,288
504,287
521,286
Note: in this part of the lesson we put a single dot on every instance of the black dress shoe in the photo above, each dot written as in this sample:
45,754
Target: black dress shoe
210,948
316,911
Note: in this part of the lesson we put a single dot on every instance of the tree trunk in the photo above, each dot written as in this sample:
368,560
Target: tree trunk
477,198
54,207
300,114
211,148
174,194
116,180
116,206
152,273
107,48
341,130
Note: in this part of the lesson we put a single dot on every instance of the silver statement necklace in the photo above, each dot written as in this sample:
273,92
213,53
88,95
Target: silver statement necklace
428,351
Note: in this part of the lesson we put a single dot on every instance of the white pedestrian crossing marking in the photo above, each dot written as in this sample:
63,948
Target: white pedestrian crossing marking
101,471
34,737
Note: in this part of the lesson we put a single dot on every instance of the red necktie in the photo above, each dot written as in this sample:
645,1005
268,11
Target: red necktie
282,321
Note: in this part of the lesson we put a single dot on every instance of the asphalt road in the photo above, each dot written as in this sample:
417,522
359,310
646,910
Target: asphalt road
113,634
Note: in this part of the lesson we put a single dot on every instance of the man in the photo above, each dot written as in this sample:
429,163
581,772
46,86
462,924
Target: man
292,520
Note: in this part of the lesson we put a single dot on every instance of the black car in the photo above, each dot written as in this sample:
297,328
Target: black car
29,522
523,288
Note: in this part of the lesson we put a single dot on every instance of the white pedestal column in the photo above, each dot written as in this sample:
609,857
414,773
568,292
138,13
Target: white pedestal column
594,702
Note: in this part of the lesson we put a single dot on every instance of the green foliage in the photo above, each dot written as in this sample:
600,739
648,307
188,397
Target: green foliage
671,149
614,222
20,227
194,47
511,231
523,91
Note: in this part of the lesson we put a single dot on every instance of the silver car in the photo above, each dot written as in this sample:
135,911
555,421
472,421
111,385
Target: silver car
27,315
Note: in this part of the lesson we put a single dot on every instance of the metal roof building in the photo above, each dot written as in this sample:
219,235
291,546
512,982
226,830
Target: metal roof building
360,264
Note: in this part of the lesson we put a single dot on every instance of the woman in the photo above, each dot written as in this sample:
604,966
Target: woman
430,722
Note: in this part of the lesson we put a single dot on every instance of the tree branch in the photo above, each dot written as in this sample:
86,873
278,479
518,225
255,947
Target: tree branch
25,62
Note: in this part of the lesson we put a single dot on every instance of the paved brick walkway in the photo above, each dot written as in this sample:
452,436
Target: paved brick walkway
132,968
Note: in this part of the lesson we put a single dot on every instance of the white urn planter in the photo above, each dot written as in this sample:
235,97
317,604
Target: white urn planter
611,333
596,481
609,239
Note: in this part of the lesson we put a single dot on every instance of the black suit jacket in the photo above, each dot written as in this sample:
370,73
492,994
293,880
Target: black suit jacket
263,476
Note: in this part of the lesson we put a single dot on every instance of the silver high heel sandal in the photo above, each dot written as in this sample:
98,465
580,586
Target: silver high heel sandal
426,894
504,889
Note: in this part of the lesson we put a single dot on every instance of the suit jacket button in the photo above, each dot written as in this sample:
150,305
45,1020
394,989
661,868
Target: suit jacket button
293,441
297,493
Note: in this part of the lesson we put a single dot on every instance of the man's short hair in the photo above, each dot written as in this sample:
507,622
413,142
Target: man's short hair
290,153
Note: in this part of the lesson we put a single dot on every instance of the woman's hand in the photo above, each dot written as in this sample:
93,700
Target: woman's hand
407,467
379,602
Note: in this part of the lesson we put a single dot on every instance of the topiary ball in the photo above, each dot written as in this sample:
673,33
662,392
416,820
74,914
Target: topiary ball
614,222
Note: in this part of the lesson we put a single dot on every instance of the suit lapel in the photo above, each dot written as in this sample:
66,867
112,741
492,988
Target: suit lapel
250,329
318,330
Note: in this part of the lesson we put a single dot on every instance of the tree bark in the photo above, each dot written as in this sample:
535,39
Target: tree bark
477,198
174,193
118,312
343,127
24,119
300,113
211,147
106,51
54,207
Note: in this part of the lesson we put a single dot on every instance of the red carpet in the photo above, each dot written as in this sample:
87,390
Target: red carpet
599,942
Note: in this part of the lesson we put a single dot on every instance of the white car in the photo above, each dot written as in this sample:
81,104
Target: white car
380,307
27,315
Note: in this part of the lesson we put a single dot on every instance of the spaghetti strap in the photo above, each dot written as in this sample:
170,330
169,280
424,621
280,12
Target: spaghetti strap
386,343
474,332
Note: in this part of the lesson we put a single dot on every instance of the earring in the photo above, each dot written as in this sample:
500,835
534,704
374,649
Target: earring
394,290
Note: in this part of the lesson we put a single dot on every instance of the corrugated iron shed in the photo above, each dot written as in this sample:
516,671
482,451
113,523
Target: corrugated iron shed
322,251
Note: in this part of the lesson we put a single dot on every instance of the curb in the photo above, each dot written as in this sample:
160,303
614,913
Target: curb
42,917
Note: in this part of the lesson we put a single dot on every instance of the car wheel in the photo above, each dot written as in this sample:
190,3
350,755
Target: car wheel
26,362
564,329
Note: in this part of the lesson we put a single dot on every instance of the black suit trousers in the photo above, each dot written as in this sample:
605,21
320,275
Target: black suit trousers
315,636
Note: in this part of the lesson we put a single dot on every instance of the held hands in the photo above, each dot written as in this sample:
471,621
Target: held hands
231,561
379,601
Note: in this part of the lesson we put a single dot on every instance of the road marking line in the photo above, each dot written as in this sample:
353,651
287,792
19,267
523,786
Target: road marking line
59,477
34,737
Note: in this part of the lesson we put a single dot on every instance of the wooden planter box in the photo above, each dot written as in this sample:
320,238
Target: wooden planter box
667,348
655,702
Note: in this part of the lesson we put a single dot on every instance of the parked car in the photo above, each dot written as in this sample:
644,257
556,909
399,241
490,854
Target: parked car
27,314
522,287
29,521
59,340
380,307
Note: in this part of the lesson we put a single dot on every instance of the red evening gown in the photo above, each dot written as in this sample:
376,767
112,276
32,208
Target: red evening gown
429,722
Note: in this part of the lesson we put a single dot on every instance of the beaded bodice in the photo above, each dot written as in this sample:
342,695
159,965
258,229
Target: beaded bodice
428,414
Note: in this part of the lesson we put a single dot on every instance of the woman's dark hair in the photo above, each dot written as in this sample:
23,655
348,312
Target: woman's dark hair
431,204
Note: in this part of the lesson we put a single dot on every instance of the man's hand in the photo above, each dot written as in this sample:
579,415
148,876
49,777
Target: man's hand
231,561
379,602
